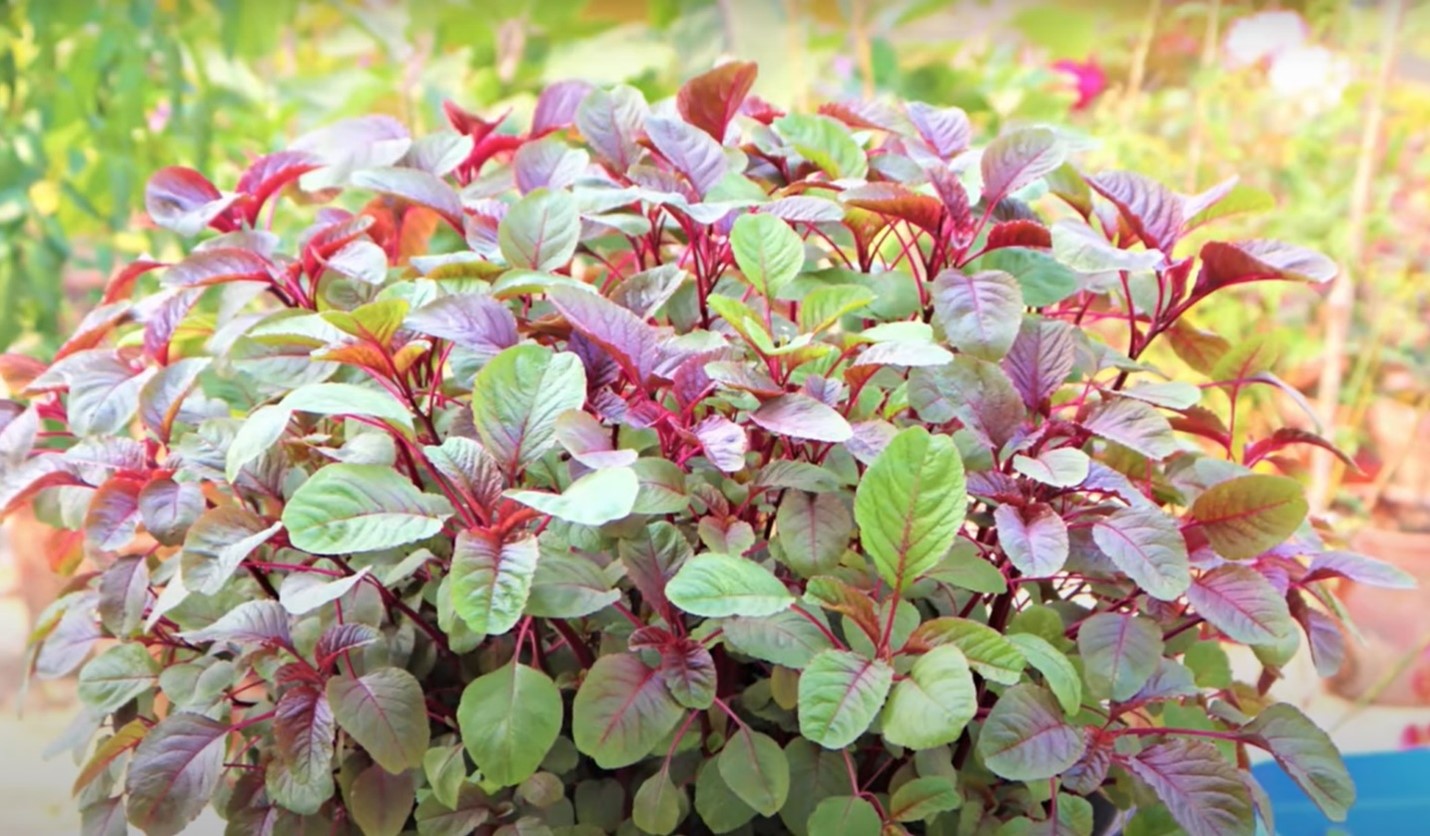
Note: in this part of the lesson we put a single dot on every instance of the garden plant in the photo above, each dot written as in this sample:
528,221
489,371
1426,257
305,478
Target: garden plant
692,467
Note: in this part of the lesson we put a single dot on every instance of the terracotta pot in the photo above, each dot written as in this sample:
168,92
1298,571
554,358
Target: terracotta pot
1394,622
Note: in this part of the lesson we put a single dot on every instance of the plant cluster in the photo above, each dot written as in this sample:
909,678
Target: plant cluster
693,468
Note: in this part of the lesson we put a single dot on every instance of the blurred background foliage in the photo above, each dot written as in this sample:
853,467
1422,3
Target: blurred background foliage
98,95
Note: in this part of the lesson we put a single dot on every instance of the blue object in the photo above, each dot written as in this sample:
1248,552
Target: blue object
1392,797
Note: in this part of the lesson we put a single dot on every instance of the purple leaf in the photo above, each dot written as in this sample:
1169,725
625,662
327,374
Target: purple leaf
1133,424
589,442
804,209
252,622
303,731
174,772
980,313
946,131
1148,546
1360,569
1025,737
385,712
1200,787
123,595
471,320
632,343
168,508
343,637
1016,159
548,163
271,172
1307,754
1242,604
113,515
414,186
802,417
218,266
691,150
184,201
1152,211
723,441
1120,653
611,122
975,392
556,106
1035,538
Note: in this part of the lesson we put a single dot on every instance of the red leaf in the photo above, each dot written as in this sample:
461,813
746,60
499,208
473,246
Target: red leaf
894,201
864,116
1018,234
710,100
630,341
183,200
270,173
121,284
1225,264
1285,437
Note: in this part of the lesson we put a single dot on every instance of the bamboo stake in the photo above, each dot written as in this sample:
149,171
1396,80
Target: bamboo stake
1340,301
1199,123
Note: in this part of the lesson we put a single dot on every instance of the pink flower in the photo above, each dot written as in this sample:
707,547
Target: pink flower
159,117
1088,79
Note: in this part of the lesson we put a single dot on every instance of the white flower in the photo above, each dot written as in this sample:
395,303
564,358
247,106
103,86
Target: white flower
1310,74
1265,34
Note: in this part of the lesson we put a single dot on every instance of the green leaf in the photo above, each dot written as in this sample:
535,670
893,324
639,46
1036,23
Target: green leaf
845,815
824,306
491,581
1244,517
446,771
1209,664
1201,789
509,719
768,251
517,398
719,585
540,231
661,487
622,711
386,713
302,593
755,768
656,808
910,505
380,802
785,638
1148,546
1043,279
987,650
1120,652
718,807
329,399
931,706
980,313
825,143
346,508
813,531
924,797
1065,467
174,772
1058,673
115,677
1307,754
1025,737
568,586
840,693
964,568
595,499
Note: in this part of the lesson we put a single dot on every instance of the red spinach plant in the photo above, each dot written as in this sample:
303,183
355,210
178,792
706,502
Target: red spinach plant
697,467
